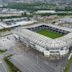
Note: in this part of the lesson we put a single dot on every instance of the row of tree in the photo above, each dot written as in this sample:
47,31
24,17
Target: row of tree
38,6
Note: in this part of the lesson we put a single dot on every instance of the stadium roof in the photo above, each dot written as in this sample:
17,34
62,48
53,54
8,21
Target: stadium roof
46,41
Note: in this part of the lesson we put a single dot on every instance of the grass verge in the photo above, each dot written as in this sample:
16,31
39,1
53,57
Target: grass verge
11,66
2,51
68,65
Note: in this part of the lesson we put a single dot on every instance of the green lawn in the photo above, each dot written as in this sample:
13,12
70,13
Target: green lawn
68,65
11,67
2,51
48,33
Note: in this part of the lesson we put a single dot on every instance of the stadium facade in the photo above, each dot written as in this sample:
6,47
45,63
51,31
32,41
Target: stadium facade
52,48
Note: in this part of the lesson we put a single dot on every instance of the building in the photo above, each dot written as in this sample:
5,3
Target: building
45,11
10,12
52,48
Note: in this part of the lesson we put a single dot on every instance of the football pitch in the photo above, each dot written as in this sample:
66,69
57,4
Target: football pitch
48,33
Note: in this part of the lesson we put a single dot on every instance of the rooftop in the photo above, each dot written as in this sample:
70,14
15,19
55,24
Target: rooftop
46,41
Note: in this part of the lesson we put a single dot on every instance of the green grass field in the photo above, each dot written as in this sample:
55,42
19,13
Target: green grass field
68,65
48,33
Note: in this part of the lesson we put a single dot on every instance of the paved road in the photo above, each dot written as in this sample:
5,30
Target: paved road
30,62
3,65
7,53
71,68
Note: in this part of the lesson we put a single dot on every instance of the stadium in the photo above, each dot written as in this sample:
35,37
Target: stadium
52,41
